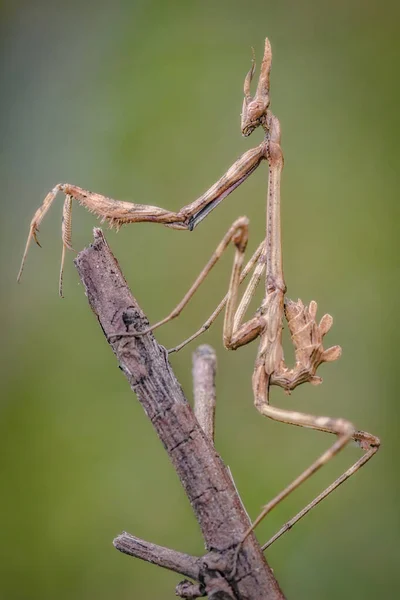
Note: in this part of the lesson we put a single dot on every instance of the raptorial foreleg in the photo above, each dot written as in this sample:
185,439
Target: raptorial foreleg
118,212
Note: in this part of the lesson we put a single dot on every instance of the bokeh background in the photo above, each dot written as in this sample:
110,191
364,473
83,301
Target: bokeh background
140,100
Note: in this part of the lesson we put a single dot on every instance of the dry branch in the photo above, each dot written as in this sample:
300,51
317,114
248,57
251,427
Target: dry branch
204,394
203,475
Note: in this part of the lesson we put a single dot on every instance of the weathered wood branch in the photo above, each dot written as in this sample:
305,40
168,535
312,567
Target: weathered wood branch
204,394
203,475
159,555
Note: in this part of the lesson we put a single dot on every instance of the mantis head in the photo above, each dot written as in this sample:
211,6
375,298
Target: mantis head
254,111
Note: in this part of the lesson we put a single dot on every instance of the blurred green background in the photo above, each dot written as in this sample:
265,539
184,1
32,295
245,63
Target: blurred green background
140,101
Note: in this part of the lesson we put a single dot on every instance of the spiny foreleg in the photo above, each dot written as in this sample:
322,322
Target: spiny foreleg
115,212
118,212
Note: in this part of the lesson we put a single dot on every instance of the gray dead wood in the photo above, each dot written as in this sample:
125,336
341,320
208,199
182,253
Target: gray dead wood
204,393
203,475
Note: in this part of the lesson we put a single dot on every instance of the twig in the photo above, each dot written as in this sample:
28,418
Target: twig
204,394
205,479
204,367
158,555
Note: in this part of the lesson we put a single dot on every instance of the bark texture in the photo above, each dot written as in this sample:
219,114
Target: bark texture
202,473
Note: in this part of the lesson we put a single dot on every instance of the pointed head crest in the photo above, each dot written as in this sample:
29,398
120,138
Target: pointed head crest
255,109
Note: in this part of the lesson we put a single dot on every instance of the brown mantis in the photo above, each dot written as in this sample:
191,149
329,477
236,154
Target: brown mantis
307,335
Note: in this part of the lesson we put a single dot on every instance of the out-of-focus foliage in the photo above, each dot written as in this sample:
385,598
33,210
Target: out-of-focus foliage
140,100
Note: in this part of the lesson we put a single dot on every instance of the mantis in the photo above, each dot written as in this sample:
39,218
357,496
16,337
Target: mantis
306,333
